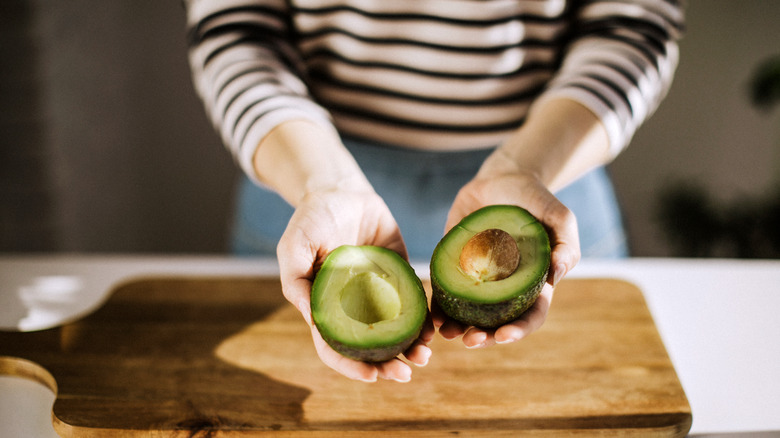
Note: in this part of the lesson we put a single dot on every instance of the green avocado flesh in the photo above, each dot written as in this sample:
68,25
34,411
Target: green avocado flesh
368,303
490,304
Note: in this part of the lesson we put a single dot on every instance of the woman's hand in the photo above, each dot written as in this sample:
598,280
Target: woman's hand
335,205
324,220
560,141
498,184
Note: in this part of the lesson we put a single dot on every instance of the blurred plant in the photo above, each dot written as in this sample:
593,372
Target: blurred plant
749,227
696,226
689,219
765,84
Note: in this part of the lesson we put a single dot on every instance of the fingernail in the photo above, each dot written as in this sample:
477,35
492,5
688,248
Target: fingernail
482,338
508,338
403,379
505,341
425,360
402,376
559,272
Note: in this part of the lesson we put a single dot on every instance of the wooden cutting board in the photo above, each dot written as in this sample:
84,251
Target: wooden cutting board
230,357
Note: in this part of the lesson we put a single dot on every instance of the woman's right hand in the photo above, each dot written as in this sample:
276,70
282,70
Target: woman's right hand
324,220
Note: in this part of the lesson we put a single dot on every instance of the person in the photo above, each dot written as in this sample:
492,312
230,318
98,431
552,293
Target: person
384,123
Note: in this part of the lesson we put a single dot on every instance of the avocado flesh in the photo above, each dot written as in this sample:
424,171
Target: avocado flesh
490,304
368,303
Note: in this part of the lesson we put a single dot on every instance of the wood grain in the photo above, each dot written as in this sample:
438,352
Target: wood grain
229,357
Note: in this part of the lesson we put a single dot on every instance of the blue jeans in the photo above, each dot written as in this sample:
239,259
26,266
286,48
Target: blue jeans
419,188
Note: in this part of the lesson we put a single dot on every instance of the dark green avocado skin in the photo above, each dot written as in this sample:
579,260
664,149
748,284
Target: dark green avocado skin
375,354
485,315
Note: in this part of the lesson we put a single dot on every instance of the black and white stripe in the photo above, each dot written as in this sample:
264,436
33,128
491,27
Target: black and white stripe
620,61
435,74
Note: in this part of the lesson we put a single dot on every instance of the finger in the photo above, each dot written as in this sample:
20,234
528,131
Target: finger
465,202
428,330
438,317
455,215
531,321
478,338
298,292
395,243
418,353
352,369
385,231
565,256
564,241
296,272
451,329
394,369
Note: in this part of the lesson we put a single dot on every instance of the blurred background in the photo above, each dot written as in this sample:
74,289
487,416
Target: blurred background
104,146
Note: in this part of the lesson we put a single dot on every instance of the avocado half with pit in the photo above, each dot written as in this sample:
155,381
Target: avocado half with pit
490,268
368,303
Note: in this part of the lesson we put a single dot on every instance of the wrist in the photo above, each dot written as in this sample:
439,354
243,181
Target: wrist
560,141
504,162
299,157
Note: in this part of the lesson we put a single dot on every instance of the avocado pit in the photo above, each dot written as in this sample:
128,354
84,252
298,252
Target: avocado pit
490,255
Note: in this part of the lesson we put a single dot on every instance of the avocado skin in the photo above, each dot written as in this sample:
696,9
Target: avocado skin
485,315
376,354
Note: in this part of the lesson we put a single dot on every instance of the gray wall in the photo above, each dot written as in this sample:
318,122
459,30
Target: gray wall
706,131
127,162
133,163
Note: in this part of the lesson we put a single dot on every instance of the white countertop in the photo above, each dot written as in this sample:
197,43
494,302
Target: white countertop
718,318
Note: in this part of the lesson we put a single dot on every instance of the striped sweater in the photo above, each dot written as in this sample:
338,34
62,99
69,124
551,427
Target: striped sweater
431,74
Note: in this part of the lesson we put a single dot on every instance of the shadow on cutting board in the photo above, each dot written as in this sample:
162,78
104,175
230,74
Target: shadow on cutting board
147,360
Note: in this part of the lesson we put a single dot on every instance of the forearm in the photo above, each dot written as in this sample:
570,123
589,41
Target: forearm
560,141
299,157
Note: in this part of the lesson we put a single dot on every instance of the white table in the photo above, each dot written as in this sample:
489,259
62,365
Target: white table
718,319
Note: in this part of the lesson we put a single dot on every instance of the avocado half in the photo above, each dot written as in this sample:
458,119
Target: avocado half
486,302
368,303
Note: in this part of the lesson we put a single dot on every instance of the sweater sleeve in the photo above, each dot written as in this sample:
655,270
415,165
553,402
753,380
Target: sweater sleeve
620,61
246,72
